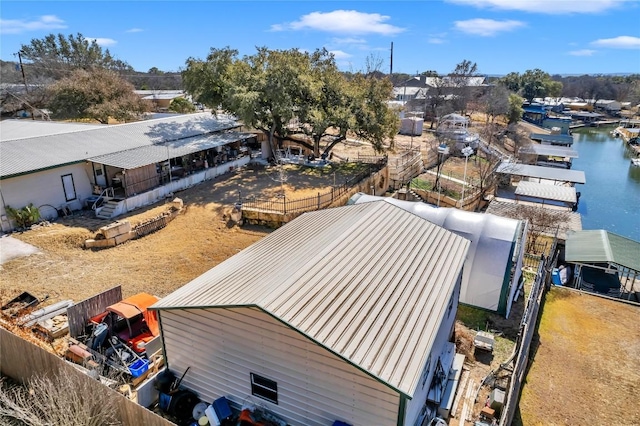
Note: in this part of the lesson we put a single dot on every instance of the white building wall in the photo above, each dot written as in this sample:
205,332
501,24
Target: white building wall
414,414
315,387
44,187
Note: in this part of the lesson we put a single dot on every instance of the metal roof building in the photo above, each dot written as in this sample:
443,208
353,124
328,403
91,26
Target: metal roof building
365,292
600,246
540,172
605,262
497,247
31,154
25,128
138,157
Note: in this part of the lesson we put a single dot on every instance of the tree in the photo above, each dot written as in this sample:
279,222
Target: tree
538,84
181,105
98,94
515,108
56,56
511,81
486,164
460,79
289,92
495,102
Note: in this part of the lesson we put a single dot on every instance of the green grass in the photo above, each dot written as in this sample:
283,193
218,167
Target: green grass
424,185
473,318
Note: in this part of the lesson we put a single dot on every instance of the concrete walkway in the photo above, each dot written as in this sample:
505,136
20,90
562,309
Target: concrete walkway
11,248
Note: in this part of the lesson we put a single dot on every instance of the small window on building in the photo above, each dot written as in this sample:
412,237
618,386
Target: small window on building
264,388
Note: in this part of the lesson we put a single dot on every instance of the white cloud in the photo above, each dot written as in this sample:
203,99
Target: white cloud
348,40
342,22
134,30
545,6
435,40
19,26
582,52
487,27
102,41
339,54
620,42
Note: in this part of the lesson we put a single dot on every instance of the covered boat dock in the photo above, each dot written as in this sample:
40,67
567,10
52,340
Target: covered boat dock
540,191
605,263
553,174
543,138
550,155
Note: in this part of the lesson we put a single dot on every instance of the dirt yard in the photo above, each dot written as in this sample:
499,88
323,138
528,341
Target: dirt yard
195,241
586,369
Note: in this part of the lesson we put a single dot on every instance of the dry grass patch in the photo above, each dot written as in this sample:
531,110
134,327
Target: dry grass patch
586,368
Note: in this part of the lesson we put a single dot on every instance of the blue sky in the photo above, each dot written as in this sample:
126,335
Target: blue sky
557,36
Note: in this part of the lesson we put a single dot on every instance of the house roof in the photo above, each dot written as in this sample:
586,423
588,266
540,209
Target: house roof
21,156
369,282
145,155
544,191
600,246
550,173
26,128
549,150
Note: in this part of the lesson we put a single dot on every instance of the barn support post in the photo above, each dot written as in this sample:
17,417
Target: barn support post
402,410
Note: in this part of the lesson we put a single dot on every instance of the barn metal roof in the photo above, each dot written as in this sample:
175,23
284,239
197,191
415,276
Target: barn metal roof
145,155
544,191
22,156
26,128
550,150
550,173
600,246
559,139
370,282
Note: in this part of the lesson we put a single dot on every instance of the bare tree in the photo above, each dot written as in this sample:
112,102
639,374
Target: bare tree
61,400
541,221
486,164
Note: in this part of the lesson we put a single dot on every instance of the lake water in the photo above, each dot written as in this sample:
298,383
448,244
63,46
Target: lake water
610,198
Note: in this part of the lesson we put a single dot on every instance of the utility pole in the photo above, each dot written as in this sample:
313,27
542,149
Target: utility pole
391,62
24,79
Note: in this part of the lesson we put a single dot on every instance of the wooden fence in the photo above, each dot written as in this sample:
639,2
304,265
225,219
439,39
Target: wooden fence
528,327
79,314
285,206
20,360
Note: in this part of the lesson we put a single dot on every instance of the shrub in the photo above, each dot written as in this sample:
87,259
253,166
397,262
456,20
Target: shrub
24,217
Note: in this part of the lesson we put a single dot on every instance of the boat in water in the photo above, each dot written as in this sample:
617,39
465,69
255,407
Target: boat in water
635,162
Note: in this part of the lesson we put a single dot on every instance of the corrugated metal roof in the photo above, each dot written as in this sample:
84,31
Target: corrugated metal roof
32,154
138,157
561,139
490,253
600,246
566,194
552,150
550,173
24,128
370,282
